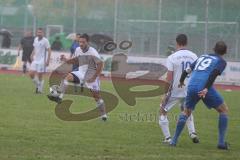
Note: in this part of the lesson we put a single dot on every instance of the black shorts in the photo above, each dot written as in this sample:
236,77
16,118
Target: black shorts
76,80
26,57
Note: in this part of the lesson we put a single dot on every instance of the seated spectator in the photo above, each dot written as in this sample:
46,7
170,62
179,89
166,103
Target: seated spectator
57,44
6,42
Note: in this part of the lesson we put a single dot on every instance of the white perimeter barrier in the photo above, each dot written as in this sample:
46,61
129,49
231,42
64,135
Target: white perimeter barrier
10,60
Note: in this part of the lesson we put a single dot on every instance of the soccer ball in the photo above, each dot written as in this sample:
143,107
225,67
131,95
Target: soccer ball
55,90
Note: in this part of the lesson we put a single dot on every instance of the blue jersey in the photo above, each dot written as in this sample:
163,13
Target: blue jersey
74,46
203,67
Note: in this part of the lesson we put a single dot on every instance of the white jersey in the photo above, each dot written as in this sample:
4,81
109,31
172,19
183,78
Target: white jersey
177,62
90,67
40,50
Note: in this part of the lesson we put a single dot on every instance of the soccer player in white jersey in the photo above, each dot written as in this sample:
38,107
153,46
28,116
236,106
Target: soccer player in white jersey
40,59
88,73
176,64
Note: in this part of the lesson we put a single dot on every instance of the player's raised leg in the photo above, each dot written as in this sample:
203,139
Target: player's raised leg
100,104
63,86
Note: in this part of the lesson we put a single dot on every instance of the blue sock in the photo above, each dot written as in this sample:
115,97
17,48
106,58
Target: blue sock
180,125
222,127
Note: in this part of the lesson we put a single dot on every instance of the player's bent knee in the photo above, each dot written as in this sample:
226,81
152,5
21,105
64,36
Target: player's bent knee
223,108
162,111
69,78
187,112
31,74
163,119
65,82
40,75
95,94
100,103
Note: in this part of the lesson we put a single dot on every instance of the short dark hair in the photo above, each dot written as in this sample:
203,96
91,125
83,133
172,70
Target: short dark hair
41,29
220,48
85,36
78,34
181,39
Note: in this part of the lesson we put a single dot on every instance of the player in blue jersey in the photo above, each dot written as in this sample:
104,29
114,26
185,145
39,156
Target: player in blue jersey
204,72
73,48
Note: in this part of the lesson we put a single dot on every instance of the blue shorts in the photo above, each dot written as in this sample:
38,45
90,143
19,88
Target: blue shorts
212,99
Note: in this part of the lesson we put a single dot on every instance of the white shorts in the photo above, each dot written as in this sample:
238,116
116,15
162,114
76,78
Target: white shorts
38,67
95,86
168,102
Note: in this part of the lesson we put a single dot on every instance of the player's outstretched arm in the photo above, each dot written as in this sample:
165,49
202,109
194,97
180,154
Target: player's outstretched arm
32,55
69,61
183,77
185,73
169,80
49,56
212,78
169,76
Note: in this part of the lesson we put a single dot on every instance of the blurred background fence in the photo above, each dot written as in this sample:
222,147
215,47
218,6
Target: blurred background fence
151,25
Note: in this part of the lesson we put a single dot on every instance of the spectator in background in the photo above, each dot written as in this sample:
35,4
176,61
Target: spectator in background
6,42
75,45
170,50
26,45
73,48
57,44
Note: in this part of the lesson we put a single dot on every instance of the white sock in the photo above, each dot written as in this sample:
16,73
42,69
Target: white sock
40,85
35,81
164,124
190,124
104,116
101,105
63,86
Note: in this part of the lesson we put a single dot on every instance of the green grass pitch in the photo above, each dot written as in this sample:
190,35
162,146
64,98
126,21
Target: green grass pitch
30,130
